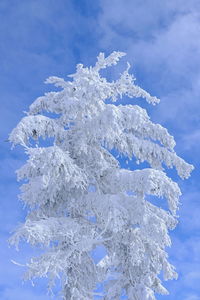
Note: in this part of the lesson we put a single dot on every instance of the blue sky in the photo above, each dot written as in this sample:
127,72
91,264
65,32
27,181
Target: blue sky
39,38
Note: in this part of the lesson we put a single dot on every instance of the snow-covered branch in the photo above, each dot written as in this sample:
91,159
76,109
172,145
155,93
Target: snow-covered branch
78,196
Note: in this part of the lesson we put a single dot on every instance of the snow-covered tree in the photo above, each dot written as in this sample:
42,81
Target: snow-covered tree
78,196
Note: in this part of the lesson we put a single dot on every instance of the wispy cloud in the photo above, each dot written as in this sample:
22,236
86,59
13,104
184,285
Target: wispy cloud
162,38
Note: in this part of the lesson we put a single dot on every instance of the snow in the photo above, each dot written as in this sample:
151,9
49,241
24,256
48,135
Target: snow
77,193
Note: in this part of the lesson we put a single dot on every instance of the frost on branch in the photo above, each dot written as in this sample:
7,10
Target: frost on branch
78,196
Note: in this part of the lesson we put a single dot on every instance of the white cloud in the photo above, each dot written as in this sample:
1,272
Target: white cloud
192,297
162,38
192,280
191,141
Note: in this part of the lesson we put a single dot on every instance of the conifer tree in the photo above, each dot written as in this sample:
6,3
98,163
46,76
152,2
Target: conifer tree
78,196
